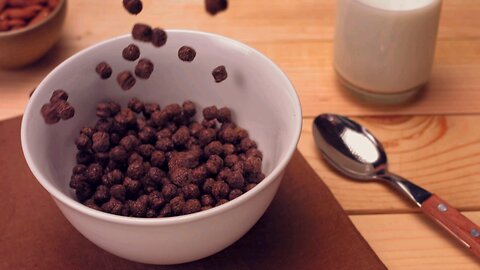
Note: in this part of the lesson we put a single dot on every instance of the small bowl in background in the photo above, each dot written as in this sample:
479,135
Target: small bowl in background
24,46
261,98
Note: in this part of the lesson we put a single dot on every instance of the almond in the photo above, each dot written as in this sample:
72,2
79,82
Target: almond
3,3
24,3
40,16
16,22
52,4
20,13
4,26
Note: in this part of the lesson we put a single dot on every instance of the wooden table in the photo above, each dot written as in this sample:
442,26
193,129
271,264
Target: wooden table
434,141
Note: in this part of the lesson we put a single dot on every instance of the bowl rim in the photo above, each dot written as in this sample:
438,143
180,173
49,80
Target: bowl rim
75,205
32,27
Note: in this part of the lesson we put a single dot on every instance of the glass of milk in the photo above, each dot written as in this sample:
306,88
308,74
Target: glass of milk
384,48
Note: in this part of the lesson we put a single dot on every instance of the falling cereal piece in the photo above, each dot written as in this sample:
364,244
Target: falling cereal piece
215,6
58,95
133,6
64,109
50,114
142,32
186,54
104,70
159,37
131,52
126,80
144,69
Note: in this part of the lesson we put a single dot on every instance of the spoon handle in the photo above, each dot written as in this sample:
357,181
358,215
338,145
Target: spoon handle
454,222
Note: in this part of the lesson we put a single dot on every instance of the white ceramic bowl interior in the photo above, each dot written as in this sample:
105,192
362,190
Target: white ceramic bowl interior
262,100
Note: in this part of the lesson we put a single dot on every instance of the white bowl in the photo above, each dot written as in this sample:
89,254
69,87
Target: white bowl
262,100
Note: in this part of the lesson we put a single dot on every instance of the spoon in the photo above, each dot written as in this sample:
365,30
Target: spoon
355,152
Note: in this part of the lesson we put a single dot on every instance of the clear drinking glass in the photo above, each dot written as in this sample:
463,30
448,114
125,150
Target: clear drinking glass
384,49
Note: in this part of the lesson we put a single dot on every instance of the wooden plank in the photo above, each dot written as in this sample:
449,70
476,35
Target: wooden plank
411,241
440,153
309,66
251,20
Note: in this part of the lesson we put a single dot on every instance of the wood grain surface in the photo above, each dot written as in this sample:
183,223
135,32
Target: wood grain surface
440,153
434,141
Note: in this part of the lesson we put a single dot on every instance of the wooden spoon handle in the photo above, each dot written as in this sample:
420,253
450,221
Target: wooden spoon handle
453,221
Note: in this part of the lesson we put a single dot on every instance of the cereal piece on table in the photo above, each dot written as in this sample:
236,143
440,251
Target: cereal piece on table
215,6
186,54
219,74
142,32
144,69
131,52
159,37
133,6
104,70
126,80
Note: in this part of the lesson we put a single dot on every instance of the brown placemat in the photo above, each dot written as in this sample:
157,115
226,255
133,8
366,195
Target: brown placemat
304,228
